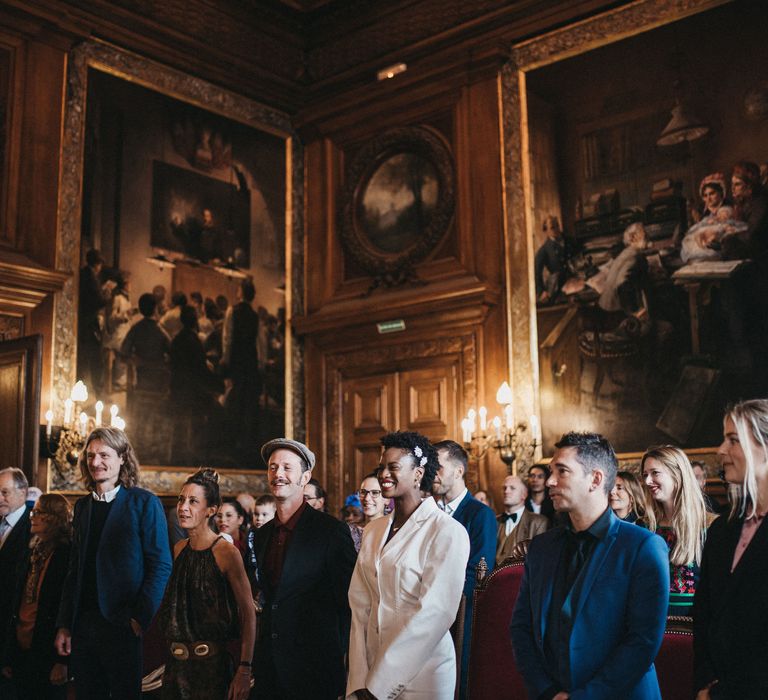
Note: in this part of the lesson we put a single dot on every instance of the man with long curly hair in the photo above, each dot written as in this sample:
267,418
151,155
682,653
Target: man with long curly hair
118,569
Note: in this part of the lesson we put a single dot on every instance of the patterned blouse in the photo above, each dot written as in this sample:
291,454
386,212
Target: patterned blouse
682,578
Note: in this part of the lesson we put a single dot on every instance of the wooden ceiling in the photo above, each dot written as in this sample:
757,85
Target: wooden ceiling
294,53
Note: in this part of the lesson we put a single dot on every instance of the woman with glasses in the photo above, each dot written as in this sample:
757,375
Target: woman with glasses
407,584
32,663
371,499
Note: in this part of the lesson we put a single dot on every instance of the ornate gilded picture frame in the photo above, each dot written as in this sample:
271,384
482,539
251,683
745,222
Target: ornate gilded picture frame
398,203
185,94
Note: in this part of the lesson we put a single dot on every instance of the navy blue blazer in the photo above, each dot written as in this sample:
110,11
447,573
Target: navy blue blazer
619,620
480,522
133,561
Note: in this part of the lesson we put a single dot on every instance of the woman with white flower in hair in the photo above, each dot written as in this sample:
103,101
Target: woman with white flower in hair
730,612
407,584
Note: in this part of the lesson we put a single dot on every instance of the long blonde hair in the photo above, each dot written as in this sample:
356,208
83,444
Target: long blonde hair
689,518
751,421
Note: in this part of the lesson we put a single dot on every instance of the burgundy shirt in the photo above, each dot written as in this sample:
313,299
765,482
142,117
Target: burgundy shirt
274,557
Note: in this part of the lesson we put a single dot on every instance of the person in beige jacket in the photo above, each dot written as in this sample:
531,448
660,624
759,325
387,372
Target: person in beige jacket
407,584
516,523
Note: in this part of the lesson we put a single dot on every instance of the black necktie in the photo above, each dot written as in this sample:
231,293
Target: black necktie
509,516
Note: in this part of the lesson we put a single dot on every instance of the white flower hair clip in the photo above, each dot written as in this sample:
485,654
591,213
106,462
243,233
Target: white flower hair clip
419,453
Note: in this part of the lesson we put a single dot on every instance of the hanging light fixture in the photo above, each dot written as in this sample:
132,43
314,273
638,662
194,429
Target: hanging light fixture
684,125
231,270
161,261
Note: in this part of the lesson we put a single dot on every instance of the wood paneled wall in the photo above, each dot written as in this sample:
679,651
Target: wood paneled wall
453,352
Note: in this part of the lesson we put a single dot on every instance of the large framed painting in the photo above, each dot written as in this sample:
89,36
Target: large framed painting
623,321
182,231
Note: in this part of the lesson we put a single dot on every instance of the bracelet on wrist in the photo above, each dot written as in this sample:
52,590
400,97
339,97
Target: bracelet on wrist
245,663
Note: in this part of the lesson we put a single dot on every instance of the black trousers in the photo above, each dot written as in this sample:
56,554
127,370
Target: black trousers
106,659
32,679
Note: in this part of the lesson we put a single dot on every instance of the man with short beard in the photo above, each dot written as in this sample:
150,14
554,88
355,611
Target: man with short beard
118,568
300,564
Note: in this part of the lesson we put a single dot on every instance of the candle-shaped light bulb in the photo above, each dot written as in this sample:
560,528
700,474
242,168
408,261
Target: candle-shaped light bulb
83,423
508,416
483,418
504,394
534,427
119,423
99,413
68,405
113,411
79,392
465,436
48,422
497,427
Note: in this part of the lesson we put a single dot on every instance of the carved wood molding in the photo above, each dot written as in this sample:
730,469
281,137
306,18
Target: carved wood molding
635,18
464,301
195,91
25,285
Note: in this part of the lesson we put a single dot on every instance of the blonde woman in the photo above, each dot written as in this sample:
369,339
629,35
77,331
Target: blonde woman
679,515
731,608
628,499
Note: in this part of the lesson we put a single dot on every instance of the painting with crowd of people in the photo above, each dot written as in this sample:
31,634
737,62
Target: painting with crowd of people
181,318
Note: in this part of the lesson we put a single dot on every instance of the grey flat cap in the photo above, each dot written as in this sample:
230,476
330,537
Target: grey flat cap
293,445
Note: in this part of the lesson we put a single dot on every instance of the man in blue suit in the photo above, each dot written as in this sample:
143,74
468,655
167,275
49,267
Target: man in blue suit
118,569
592,607
453,497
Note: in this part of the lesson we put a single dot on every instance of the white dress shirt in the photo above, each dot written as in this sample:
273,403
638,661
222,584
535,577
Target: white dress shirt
107,497
509,525
451,506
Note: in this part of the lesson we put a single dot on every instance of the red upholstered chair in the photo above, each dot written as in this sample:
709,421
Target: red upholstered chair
674,662
492,671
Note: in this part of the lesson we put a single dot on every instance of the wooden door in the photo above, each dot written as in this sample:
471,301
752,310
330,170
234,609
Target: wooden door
425,399
20,367
370,411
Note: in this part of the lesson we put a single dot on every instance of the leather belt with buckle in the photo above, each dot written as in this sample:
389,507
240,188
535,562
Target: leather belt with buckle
195,650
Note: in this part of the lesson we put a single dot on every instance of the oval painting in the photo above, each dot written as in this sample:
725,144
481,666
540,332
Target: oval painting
398,202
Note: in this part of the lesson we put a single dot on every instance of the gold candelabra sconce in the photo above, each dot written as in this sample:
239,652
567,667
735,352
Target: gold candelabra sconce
63,443
515,441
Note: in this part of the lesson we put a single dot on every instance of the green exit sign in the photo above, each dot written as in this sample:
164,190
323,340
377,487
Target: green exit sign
391,326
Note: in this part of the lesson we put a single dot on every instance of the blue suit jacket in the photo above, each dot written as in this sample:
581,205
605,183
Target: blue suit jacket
619,620
133,561
480,522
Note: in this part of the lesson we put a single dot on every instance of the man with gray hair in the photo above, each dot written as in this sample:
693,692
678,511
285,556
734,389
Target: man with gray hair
590,615
14,540
300,564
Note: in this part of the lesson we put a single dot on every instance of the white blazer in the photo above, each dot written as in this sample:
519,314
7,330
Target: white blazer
404,597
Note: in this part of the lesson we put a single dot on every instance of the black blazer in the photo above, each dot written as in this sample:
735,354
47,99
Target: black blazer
730,612
304,628
48,601
11,564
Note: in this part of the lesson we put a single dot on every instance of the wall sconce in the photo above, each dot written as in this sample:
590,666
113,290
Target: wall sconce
515,442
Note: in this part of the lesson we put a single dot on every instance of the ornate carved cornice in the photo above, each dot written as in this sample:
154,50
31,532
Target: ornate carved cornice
463,302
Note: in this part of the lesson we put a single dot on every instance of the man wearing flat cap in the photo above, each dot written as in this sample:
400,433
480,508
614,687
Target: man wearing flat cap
300,564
